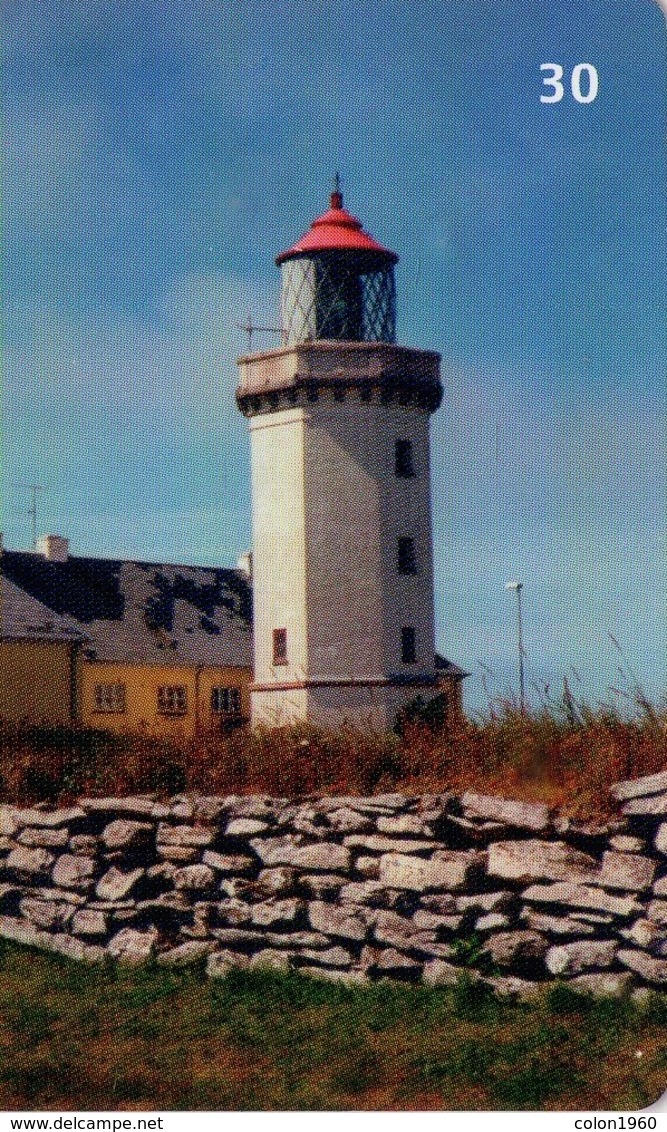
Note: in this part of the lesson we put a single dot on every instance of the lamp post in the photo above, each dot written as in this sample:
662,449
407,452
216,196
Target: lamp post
518,586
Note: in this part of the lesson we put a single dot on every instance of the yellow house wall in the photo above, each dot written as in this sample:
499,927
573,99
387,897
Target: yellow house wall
141,696
35,681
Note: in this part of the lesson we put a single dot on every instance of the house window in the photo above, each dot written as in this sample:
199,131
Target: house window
408,645
172,699
226,701
110,697
280,646
407,560
404,465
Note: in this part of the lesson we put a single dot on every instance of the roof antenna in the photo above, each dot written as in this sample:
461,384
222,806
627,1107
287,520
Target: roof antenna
336,196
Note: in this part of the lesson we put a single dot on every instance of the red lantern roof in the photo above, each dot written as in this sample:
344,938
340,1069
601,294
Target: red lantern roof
336,230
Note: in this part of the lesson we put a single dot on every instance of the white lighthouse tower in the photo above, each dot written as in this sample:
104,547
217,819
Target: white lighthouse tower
342,547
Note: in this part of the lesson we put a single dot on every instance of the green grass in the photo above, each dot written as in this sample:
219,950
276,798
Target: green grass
112,1038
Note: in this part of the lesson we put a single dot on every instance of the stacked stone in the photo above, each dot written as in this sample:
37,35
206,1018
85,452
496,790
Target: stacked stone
421,888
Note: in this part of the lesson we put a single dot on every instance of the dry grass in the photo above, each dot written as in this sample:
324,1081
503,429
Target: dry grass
565,754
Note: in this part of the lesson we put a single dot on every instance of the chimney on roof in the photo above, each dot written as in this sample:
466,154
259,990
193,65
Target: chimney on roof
55,548
244,564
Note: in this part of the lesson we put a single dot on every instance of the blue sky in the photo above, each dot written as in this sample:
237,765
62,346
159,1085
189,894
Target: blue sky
156,156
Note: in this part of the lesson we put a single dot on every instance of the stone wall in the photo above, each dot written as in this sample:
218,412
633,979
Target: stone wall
420,888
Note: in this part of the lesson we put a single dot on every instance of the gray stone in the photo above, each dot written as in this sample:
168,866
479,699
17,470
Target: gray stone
404,824
650,969
75,949
509,986
138,805
390,961
335,974
239,937
295,940
89,922
522,815
123,834
375,843
480,832
8,823
657,911
28,863
627,871
254,806
528,860
245,827
442,903
492,922
624,843
132,947
368,867
83,845
395,930
270,959
660,841
43,838
438,972
209,808
373,893
194,878
660,887
644,933
48,819
450,870
167,901
573,958
555,925
164,871
189,836
483,902
185,953
274,913
183,809
337,922
322,885
508,948
330,957
646,807
637,787
74,872
21,931
287,851
592,917
581,896
226,864
181,854
280,881
434,922
239,888
604,984
232,911
46,914
116,885
346,820
220,963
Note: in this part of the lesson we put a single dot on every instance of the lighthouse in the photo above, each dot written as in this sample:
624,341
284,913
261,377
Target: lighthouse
342,547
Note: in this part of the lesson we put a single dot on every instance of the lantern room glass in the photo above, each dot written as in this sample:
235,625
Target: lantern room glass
349,297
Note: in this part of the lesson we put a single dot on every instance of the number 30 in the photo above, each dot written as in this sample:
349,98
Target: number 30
554,80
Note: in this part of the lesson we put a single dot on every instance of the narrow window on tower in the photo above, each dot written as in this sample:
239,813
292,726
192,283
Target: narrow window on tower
407,560
408,645
280,646
404,462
